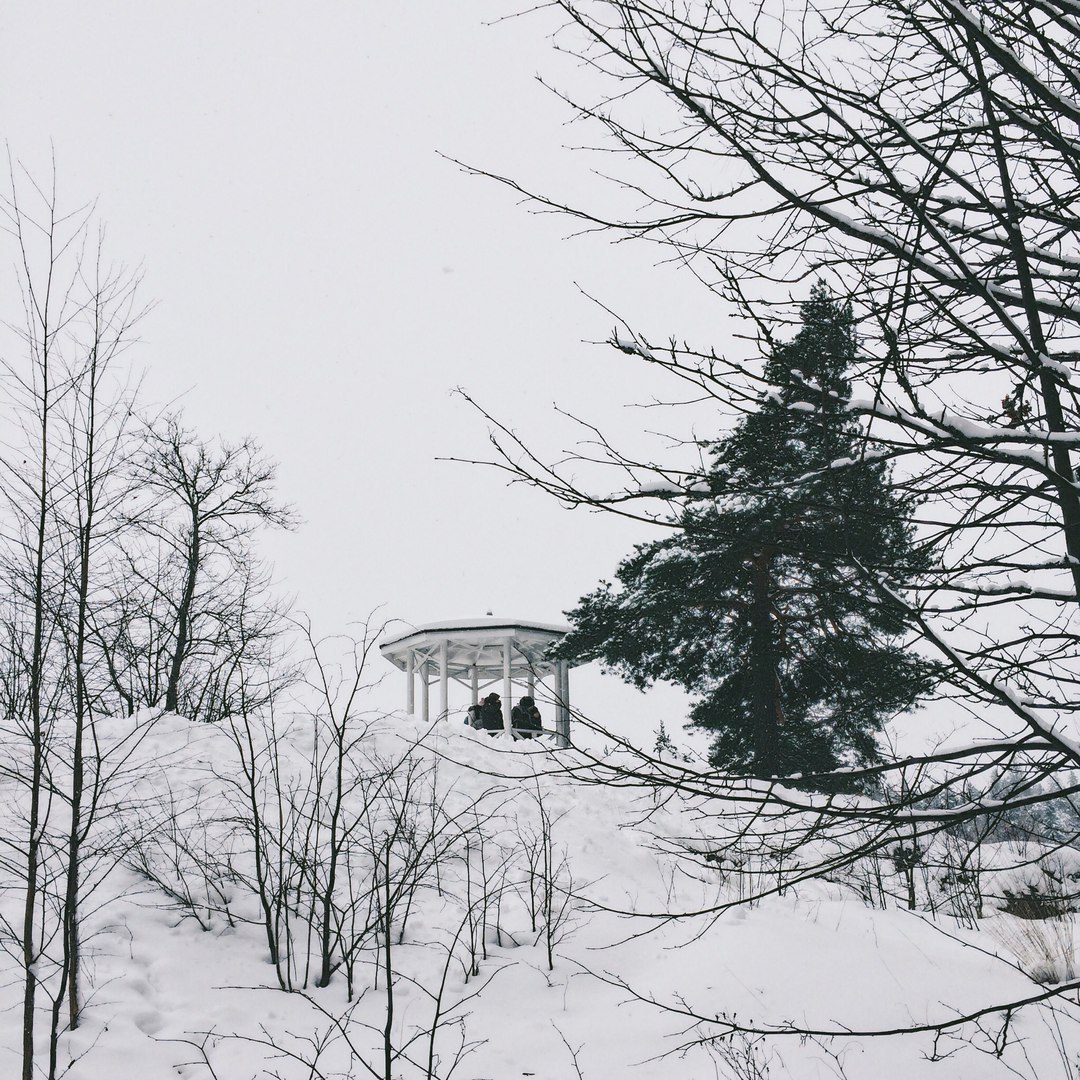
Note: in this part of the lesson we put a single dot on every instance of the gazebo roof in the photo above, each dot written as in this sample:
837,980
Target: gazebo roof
480,644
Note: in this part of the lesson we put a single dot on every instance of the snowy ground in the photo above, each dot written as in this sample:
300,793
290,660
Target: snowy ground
188,989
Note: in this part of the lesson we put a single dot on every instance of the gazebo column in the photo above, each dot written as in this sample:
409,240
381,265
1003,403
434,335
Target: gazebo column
562,709
507,685
444,679
531,684
424,692
474,679
410,683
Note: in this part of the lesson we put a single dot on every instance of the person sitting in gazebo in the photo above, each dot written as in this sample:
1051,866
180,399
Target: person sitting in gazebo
525,718
491,713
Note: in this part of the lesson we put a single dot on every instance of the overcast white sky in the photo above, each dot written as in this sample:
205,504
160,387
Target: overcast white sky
323,278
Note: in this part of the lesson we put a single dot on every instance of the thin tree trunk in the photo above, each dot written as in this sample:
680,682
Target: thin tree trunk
1065,475
69,981
335,855
37,737
183,616
388,1030
77,833
767,705
37,750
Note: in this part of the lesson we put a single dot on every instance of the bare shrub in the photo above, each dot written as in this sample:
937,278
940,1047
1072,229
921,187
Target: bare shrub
1044,947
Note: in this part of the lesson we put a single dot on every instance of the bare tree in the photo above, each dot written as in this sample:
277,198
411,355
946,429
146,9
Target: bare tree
200,609
67,400
922,157
97,563
96,416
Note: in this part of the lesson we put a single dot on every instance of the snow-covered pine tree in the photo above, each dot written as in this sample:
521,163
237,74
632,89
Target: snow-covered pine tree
759,602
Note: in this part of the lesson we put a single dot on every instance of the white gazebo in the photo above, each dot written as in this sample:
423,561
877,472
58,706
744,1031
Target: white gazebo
481,652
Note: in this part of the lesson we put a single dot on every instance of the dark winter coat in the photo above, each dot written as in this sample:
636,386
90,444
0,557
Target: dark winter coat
526,717
491,717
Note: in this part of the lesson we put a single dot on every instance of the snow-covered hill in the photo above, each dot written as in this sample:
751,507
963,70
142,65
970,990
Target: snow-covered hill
456,855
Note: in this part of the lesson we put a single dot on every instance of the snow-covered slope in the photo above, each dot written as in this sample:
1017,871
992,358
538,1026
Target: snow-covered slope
182,982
